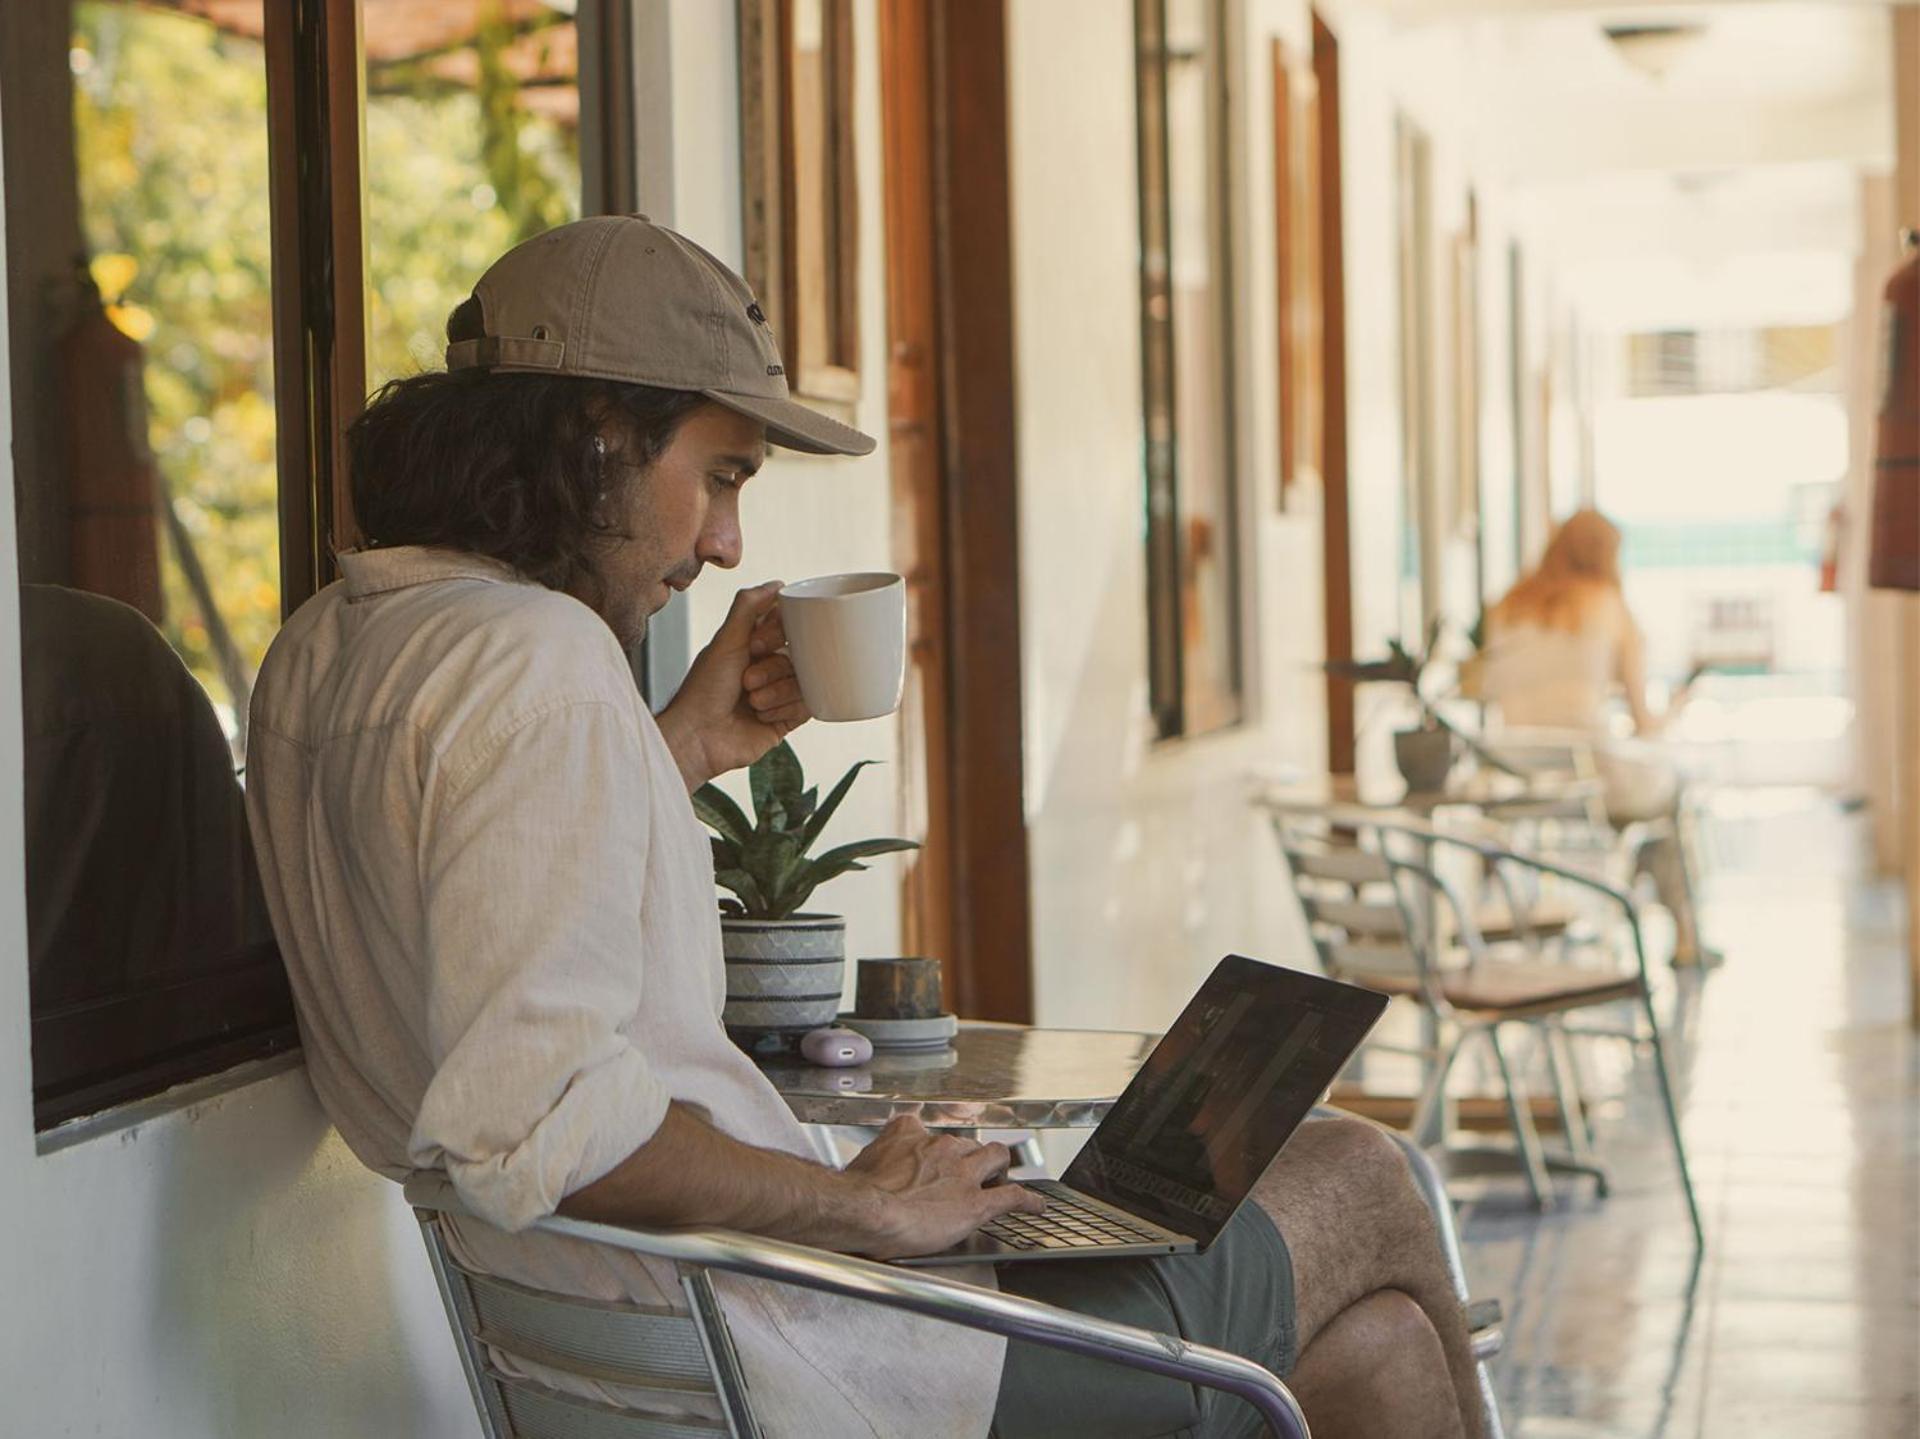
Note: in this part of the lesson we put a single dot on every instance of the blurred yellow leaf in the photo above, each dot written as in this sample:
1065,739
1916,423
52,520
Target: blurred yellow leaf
132,321
113,272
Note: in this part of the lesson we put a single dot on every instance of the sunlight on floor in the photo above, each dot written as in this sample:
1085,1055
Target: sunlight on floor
1802,1102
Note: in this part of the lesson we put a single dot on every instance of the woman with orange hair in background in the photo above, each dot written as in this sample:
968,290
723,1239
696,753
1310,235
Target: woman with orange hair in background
1556,646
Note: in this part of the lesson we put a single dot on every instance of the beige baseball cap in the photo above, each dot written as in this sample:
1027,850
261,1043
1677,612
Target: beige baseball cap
617,297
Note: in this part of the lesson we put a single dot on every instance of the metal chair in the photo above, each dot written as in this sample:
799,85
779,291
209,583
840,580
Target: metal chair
1573,826
1391,921
1378,922
678,1355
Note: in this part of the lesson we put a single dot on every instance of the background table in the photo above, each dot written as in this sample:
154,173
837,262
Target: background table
994,1076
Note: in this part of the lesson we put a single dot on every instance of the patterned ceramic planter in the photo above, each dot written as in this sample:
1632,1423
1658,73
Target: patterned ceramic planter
783,974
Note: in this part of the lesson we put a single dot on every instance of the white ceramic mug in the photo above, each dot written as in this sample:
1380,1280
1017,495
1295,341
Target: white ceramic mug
847,635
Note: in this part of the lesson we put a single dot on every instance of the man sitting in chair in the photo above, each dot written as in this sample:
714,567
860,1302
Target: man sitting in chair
497,907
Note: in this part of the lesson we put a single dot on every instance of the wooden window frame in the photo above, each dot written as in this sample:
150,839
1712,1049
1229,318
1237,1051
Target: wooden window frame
1336,553
315,76
768,217
1166,658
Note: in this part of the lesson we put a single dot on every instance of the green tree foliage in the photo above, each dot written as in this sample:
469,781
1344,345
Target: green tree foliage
170,127
171,134
456,175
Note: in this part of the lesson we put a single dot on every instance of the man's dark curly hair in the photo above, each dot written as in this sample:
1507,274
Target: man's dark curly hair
517,467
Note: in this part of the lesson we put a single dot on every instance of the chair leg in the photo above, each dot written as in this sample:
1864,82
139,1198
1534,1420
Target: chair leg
1668,1100
1567,1095
1524,1134
1429,1123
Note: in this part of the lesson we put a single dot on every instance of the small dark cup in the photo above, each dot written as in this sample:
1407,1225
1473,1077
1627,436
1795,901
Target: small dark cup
898,989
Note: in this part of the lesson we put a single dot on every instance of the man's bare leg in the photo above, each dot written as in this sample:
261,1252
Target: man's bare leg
1355,1224
1377,1372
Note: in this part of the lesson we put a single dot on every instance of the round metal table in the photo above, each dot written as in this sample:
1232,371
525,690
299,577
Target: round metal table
993,1076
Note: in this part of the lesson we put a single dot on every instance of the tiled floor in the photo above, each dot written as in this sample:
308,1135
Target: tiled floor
1802,1114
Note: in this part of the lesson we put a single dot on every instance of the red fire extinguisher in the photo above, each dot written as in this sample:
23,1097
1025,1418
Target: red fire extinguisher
114,549
1894,563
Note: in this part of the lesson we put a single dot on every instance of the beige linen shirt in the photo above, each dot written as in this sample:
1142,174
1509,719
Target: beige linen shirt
497,911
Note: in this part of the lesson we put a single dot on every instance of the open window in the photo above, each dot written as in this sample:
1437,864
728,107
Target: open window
801,198
223,218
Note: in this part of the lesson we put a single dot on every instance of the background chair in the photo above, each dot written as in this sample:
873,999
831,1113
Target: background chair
1655,835
1381,915
678,1356
1399,928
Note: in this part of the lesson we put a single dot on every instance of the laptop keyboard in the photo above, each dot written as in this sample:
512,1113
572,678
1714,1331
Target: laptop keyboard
1069,1223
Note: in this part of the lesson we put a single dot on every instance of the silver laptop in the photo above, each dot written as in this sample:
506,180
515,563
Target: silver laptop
1211,1108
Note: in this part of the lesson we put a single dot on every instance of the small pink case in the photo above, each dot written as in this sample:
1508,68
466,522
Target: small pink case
836,1048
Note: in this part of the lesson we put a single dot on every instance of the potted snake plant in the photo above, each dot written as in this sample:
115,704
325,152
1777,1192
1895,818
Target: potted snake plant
786,967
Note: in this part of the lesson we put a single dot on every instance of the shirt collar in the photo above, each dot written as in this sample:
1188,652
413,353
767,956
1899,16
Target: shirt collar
376,571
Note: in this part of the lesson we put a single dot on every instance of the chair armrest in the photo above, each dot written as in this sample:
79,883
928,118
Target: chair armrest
927,1294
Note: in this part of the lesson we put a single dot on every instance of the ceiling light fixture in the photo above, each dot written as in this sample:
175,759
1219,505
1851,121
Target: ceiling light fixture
1654,49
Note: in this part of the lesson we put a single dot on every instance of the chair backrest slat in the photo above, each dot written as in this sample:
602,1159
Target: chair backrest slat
1345,865
537,1412
655,1358
616,1343
1357,960
1360,918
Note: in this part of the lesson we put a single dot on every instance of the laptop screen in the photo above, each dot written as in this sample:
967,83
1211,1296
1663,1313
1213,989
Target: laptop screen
1239,1070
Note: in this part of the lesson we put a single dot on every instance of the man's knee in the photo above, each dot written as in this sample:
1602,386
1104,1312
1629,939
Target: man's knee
1364,1153
1395,1323
1372,1170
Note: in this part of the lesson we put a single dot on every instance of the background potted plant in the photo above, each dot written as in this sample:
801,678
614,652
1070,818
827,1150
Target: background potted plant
786,969
1425,753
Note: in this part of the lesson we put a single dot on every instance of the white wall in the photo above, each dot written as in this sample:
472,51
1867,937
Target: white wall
1147,863
225,1269
803,514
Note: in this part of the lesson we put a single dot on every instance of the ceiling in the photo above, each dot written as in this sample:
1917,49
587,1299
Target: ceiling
1725,190
1416,11
1756,84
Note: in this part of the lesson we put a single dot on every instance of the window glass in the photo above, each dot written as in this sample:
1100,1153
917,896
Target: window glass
1210,680
1187,374
800,216
822,312
141,331
171,159
473,145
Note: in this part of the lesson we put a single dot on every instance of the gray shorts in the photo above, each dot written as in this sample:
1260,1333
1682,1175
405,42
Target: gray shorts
1238,1296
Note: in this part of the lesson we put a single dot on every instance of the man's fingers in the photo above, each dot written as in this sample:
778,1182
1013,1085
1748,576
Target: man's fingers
787,717
1012,1199
748,608
767,671
988,1163
768,684
769,634
774,697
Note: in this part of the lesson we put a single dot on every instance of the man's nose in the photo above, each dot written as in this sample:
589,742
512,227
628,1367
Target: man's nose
720,543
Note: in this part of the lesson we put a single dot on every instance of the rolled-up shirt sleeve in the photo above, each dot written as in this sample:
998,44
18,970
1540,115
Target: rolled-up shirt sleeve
532,881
